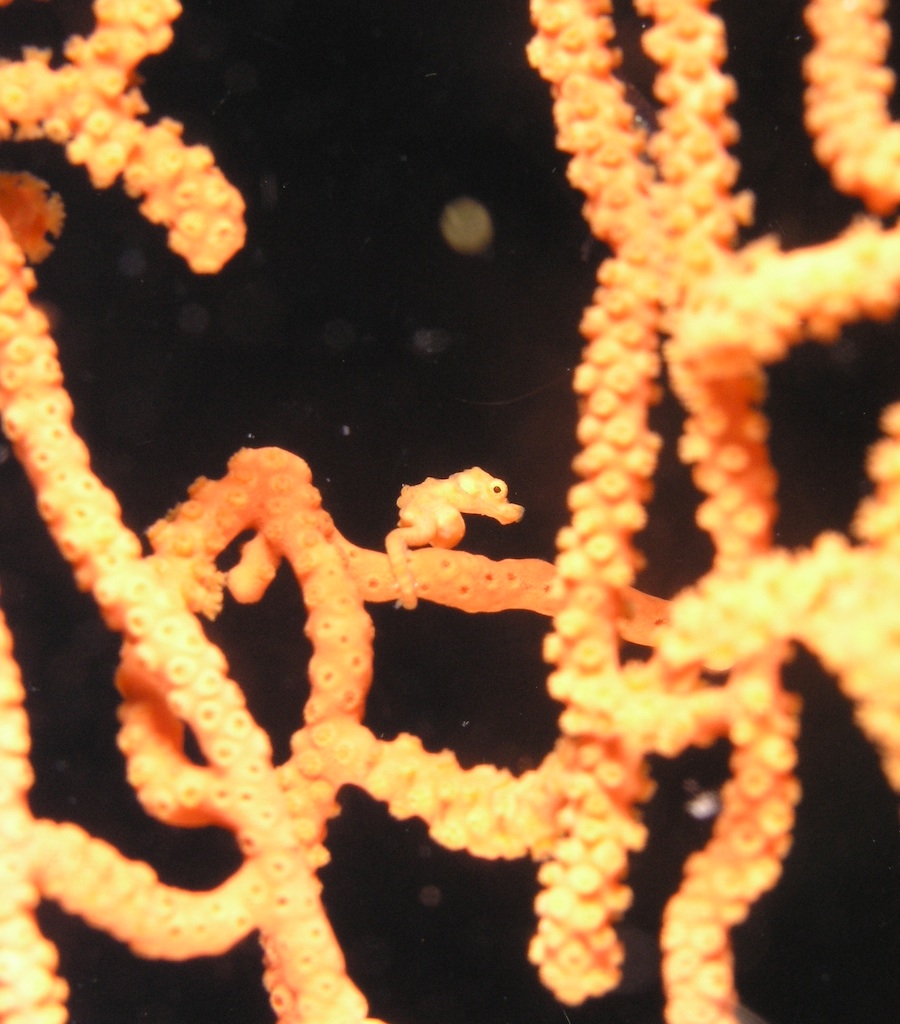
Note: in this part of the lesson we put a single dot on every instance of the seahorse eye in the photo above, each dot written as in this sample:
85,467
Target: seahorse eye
498,488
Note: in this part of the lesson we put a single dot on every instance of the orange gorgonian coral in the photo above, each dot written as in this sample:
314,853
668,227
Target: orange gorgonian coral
678,300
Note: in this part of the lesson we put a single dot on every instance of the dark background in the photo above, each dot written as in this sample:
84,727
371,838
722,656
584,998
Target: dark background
347,332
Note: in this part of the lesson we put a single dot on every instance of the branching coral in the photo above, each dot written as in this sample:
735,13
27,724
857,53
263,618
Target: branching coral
664,204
